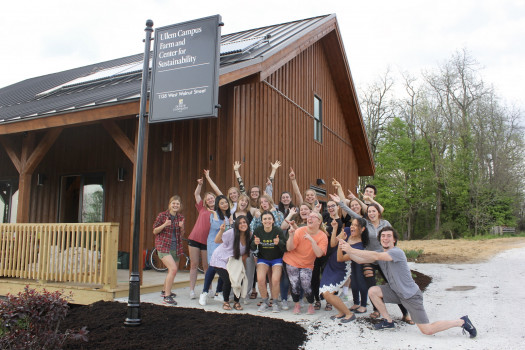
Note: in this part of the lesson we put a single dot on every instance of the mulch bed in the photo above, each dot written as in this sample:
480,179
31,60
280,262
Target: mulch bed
185,328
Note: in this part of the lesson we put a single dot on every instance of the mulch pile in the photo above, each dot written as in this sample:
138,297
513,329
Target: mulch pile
179,328
185,328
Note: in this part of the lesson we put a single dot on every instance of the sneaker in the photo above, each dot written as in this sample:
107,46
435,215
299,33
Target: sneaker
263,307
192,295
311,309
284,305
469,327
163,294
275,308
202,298
297,309
384,324
169,300
218,297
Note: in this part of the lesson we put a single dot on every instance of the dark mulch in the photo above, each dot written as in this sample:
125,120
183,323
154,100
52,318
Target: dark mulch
186,328
179,328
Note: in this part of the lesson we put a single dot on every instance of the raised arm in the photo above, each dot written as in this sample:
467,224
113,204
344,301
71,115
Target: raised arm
372,200
212,184
236,167
218,238
333,238
286,222
198,190
289,243
296,189
339,190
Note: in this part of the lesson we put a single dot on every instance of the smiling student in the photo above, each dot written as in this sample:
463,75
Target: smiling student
401,289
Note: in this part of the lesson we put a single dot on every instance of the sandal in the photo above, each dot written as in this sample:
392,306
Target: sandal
375,315
354,308
356,311
237,306
253,295
226,306
317,305
328,307
406,320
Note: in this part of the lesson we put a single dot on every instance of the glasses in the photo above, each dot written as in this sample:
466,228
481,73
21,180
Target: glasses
332,206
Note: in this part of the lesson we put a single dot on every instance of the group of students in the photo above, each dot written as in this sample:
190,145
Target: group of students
302,251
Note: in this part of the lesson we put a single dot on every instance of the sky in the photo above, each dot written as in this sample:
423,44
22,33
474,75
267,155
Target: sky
42,37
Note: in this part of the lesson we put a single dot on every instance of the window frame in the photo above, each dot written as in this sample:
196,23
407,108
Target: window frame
318,118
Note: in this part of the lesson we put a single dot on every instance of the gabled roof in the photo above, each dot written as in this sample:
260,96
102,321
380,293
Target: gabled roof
116,84
119,80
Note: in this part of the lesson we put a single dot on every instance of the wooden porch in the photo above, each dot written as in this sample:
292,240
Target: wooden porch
76,258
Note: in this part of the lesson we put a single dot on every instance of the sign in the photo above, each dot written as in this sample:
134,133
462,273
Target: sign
185,71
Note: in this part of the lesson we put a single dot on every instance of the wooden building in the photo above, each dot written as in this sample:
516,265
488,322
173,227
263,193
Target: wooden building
286,93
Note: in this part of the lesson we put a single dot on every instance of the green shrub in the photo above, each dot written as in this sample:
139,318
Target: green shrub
31,320
413,254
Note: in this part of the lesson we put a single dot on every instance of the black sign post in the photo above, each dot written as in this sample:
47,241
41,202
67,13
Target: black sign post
133,315
185,70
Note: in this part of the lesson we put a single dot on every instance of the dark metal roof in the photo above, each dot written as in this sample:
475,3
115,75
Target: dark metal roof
89,86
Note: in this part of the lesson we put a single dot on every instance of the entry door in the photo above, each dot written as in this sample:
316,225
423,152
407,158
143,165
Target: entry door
82,198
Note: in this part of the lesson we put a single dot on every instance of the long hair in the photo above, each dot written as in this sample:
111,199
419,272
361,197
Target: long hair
237,237
218,210
281,205
206,196
365,239
238,192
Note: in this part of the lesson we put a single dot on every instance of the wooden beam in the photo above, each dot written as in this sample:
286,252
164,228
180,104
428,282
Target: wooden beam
40,151
71,118
9,149
120,139
24,195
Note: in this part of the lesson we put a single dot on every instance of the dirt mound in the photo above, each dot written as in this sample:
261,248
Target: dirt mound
457,251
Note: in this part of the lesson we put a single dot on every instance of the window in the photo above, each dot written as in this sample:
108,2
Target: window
8,202
318,119
81,198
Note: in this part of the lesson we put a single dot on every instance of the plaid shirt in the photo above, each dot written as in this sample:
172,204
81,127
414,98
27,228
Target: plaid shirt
163,238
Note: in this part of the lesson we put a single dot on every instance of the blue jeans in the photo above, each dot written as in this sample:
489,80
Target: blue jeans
208,278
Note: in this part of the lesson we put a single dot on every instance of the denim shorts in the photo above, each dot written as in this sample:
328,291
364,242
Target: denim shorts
276,262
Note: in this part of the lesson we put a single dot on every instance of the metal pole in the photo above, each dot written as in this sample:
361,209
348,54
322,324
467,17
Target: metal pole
133,318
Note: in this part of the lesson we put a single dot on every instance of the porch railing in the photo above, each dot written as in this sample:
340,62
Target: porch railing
74,253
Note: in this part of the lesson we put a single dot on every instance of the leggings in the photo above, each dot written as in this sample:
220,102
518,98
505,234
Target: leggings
371,281
358,285
285,283
227,285
208,278
300,278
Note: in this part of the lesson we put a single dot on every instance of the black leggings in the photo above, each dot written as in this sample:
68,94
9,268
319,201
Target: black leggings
371,281
319,265
227,285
